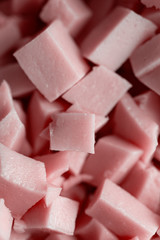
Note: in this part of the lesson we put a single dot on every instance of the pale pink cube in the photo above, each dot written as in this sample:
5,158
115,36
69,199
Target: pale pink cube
12,131
19,83
9,33
58,236
6,221
60,216
151,3
149,102
134,125
52,61
22,181
99,91
5,99
114,158
73,13
152,14
100,121
144,184
72,131
52,193
55,163
90,228
121,213
39,114
122,25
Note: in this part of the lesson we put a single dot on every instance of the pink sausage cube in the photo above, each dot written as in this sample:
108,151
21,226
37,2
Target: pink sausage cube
5,99
52,61
113,159
52,193
5,221
9,33
144,184
60,216
55,163
19,83
130,29
73,13
12,131
149,102
100,121
22,181
90,228
98,92
145,62
72,131
151,3
134,125
121,213
39,114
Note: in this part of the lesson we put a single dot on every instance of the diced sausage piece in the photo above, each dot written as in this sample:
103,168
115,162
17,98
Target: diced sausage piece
145,62
9,33
19,83
114,158
90,228
149,102
19,226
99,91
52,61
39,114
26,6
151,3
144,184
76,161
146,57
72,131
56,164
19,236
100,121
60,216
12,131
22,181
121,213
73,13
6,220
152,14
157,153
100,46
75,180
5,100
134,125
57,236
52,193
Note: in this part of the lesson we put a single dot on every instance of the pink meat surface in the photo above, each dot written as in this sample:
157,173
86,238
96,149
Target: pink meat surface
19,83
100,121
123,24
90,228
52,61
5,221
152,14
151,3
39,114
60,216
121,213
56,164
134,125
22,181
73,13
105,90
144,184
52,193
149,102
114,158
72,131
